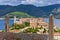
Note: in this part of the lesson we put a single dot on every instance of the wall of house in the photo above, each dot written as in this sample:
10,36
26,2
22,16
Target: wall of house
33,21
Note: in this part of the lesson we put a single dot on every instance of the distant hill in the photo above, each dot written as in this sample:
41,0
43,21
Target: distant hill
19,14
32,10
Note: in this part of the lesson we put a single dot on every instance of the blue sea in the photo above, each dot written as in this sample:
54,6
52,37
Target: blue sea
2,24
56,22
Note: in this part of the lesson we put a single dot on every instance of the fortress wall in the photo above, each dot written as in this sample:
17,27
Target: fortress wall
22,36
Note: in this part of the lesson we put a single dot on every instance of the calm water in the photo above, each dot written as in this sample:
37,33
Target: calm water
56,21
2,23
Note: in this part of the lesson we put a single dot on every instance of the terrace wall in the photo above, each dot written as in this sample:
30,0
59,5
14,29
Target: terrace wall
22,36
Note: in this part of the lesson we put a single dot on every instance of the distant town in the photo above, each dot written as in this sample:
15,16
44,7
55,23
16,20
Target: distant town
30,28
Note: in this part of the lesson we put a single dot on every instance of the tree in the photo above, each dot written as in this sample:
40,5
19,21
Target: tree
27,23
18,39
44,30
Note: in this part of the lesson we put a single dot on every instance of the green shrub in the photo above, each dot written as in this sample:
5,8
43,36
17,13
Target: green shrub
17,27
27,24
31,30
18,39
2,30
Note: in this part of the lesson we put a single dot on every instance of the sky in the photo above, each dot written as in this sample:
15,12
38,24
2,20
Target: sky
33,2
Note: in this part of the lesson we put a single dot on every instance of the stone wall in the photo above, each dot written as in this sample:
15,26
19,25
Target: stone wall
22,36
7,36
31,36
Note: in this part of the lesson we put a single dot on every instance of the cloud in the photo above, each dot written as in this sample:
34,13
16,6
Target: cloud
40,2
33,2
10,2
28,2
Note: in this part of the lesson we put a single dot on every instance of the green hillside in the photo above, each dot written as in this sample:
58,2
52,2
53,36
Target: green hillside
18,14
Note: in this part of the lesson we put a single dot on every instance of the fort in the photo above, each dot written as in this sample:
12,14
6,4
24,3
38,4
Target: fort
34,22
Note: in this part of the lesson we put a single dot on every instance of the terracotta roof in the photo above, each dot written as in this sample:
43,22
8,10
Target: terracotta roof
43,23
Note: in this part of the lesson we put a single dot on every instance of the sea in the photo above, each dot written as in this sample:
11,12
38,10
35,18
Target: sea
11,21
2,23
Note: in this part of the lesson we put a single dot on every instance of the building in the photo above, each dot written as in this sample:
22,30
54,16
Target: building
34,22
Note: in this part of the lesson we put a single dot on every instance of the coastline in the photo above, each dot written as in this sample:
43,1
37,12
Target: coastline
4,18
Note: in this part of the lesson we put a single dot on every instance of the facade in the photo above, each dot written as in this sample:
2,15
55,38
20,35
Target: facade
34,22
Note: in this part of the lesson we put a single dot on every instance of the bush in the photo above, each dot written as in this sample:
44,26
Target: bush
17,26
31,30
55,30
27,24
18,39
21,26
2,30
44,30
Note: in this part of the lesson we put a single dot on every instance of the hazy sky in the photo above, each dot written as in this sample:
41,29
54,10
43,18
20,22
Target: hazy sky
33,2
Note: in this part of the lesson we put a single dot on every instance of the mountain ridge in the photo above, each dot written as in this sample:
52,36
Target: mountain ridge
30,9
